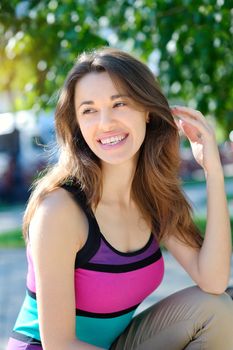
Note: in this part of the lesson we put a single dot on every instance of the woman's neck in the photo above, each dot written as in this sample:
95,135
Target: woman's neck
117,183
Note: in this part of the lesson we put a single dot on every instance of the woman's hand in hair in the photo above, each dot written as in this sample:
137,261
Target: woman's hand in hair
201,136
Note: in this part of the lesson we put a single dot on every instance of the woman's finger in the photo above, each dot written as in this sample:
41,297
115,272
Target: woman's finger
201,129
190,112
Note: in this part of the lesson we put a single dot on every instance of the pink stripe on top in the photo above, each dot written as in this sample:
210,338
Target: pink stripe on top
105,292
31,283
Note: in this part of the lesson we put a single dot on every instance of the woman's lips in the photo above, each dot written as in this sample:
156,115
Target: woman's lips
109,146
110,135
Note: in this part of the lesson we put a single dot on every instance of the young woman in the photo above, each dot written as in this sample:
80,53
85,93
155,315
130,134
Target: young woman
94,222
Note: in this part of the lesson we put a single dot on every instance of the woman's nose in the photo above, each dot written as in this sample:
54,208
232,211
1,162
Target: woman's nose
106,117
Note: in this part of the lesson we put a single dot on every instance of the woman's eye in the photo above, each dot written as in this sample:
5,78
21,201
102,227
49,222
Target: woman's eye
90,110
86,111
119,104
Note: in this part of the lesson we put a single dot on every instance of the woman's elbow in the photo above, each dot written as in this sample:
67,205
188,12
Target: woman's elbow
214,288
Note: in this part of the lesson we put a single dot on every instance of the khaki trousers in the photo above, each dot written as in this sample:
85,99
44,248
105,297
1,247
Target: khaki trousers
189,319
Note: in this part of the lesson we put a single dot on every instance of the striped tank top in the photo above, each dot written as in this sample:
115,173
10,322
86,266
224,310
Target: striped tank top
109,286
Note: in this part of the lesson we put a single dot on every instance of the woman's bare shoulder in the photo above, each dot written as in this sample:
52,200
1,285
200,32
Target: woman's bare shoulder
58,199
55,238
58,218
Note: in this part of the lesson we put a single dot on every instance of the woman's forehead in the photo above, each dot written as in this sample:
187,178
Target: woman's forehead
94,85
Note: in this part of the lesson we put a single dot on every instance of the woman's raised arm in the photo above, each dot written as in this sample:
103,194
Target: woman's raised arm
209,267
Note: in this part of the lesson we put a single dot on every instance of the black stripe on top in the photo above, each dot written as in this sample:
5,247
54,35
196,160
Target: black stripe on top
24,338
78,195
32,294
93,241
124,268
106,315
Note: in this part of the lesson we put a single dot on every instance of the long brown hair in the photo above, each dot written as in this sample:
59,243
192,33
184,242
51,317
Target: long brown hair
156,186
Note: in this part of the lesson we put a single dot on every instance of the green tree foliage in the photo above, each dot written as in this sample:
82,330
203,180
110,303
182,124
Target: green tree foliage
39,43
188,44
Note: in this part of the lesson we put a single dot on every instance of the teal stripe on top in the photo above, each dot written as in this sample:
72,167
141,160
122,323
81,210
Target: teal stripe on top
101,331
27,321
93,330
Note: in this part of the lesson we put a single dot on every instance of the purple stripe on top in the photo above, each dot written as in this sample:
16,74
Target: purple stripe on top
15,344
105,254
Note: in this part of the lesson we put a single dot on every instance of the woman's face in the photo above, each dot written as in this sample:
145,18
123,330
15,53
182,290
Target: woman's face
108,119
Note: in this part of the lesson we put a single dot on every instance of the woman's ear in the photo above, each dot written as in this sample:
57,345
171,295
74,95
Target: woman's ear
147,117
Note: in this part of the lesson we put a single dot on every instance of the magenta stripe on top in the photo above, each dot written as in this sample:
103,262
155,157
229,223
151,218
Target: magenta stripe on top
120,290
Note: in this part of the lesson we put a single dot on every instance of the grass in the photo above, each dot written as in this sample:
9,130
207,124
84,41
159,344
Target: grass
203,181
201,223
12,239
6,207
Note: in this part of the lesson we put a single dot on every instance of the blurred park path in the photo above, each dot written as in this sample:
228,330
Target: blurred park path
12,290
13,282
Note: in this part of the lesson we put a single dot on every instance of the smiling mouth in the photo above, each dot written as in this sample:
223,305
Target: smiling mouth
112,140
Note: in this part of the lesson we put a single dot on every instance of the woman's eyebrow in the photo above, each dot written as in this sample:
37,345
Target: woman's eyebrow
113,97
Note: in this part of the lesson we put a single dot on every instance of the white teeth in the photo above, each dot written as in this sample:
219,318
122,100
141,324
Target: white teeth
113,140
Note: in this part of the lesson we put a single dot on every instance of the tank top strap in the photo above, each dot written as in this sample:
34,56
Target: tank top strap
79,196
93,240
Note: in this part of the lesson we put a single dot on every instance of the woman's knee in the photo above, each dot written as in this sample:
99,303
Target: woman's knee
220,304
208,303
